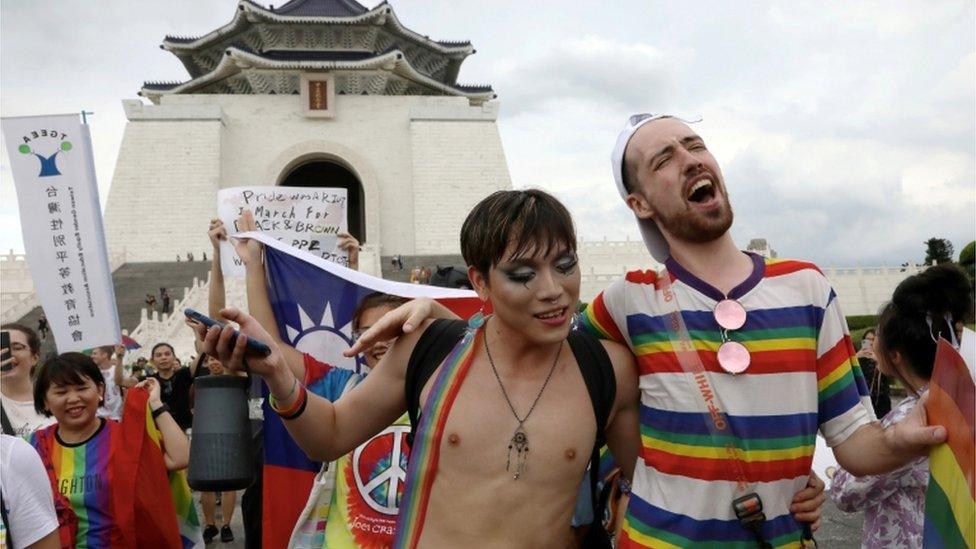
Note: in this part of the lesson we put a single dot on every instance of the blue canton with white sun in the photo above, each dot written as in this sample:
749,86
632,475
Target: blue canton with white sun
313,308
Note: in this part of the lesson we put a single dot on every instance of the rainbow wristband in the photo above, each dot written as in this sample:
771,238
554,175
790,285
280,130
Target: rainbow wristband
301,409
286,397
293,410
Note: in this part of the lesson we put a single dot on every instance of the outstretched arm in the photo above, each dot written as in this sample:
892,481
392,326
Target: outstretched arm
403,320
216,299
176,447
118,372
324,431
872,449
259,306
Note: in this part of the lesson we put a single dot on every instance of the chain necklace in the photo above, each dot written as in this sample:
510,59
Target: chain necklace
520,440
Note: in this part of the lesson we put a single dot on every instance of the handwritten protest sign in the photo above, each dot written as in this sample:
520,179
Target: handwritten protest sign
308,218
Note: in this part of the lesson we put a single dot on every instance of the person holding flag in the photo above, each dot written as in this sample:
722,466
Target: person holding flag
335,506
107,475
923,308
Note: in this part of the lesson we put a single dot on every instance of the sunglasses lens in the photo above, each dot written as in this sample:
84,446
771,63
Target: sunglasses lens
733,357
730,314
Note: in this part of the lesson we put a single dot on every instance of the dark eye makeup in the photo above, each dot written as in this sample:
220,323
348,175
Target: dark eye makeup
565,266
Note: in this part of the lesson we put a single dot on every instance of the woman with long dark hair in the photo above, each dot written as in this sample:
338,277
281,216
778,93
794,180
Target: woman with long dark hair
925,307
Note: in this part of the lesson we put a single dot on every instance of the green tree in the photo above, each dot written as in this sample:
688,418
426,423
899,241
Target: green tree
938,250
967,259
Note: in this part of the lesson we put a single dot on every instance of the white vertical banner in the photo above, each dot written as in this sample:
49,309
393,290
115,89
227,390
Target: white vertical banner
54,173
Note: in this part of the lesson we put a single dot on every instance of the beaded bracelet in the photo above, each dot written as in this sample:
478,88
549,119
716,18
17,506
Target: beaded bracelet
623,484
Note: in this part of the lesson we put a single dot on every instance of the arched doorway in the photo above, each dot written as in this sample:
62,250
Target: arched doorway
325,173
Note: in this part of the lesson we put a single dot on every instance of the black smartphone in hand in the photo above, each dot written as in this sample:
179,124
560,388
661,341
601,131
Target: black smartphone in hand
5,344
252,344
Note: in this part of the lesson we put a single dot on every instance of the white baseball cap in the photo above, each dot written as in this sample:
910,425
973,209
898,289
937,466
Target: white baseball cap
653,239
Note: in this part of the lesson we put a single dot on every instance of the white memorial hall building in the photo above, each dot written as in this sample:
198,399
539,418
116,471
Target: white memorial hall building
321,93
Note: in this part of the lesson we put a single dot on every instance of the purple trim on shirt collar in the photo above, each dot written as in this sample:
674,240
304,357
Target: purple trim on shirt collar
682,274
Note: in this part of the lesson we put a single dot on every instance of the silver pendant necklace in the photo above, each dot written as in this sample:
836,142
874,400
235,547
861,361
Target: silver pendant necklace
520,439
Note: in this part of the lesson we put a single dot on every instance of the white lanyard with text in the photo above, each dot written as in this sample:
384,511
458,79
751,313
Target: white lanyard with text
747,505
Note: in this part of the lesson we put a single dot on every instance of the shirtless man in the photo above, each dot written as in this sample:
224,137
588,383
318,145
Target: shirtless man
517,369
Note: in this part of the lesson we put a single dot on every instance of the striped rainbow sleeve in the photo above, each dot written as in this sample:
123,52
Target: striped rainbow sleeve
597,320
844,403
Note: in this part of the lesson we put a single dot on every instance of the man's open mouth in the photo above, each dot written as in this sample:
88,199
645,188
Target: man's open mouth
702,191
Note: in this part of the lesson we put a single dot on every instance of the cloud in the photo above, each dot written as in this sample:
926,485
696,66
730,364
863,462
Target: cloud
842,202
846,131
846,135
599,72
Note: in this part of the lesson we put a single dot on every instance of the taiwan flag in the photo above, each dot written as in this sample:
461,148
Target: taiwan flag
313,301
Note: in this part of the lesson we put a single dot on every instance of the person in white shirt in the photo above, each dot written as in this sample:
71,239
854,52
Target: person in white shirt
29,519
102,357
16,388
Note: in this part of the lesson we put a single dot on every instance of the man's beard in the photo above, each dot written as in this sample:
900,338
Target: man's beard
695,227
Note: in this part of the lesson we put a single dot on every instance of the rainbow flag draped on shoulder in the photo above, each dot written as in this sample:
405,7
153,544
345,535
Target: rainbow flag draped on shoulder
950,513
314,301
129,451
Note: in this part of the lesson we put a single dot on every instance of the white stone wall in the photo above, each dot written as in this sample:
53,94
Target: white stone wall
457,160
16,287
863,290
416,157
166,177
603,261
860,290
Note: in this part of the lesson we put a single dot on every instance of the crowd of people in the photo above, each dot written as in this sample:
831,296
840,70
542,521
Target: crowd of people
707,381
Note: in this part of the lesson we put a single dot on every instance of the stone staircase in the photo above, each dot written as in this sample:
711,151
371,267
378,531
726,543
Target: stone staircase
132,282
189,284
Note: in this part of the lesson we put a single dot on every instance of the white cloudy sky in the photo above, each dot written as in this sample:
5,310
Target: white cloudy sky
846,130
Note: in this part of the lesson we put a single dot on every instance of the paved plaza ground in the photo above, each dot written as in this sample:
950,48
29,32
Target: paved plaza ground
839,530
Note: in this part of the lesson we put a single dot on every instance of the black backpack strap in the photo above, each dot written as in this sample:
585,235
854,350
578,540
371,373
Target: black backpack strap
601,383
433,346
8,428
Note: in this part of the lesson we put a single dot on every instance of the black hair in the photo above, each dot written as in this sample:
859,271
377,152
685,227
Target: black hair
531,220
33,342
373,300
64,369
935,296
158,345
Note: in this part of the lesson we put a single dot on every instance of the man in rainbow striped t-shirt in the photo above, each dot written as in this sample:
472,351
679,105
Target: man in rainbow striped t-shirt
710,436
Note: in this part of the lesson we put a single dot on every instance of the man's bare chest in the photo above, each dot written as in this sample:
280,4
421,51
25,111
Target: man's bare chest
485,439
